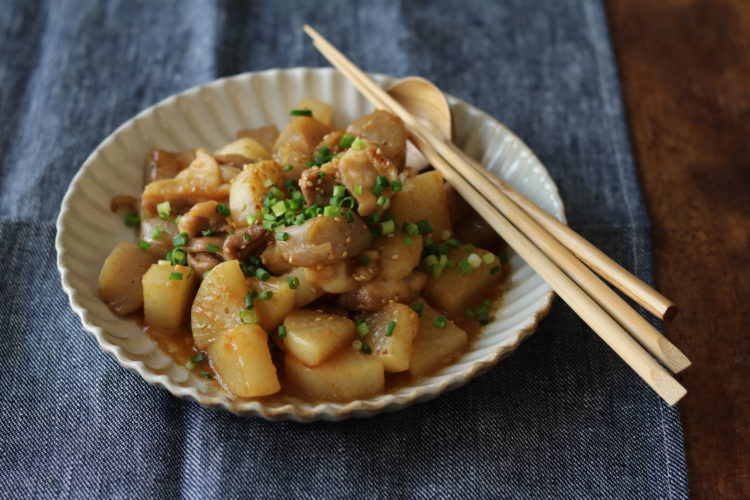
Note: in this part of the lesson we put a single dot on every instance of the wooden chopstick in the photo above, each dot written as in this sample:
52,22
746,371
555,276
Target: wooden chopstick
651,300
606,327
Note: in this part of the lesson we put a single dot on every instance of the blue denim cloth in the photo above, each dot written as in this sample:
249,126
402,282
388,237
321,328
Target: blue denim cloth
563,417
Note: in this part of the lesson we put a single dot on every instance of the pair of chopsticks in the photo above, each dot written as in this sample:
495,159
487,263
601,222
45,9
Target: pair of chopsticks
531,233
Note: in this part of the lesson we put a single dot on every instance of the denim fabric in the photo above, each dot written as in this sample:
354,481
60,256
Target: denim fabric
563,417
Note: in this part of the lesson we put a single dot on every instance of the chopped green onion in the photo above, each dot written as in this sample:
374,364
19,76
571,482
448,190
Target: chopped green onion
358,144
223,210
469,313
177,256
132,219
177,219
365,348
357,344
453,243
396,186
301,112
407,241
382,201
293,282
495,270
207,232
282,236
431,261
411,229
249,318
387,227
445,234
279,208
175,276
322,175
364,259
419,308
163,262
377,190
249,303
469,247
339,190
252,219
424,226
282,331
265,295
268,183
488,258
163,210
331,211
375,216
381,180
439,322
262,274
363,329
464,267
437,271
206,374
483,318
180,240
288,168
358,189
475,260
145,245
348,202
346,140
212,248
389,328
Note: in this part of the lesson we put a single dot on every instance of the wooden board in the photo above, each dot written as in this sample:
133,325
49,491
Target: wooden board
685,68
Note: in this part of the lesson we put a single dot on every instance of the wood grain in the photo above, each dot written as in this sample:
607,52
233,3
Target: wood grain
685,68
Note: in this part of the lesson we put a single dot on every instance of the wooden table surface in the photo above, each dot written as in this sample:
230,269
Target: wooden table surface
685,69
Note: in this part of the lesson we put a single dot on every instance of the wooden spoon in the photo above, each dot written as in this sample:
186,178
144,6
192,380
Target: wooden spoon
428,104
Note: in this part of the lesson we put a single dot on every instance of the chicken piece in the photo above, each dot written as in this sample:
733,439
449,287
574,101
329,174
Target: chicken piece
165,164
203,262
243,243
358,171
249,189
273,259
201,217
317,183
266,136
374,295
201,181
158,233
205,244
387,131
332,142
297,143
324,240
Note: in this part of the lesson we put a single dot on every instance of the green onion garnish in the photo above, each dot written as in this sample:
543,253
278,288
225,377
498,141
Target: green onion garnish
411,229
331,211
132,219
424,226
207,232
439,322
346,140
206,374
469,313
268,183
358,189
212,248
339,190
419,308
407,241
265,295
293,282
282,331
249,318
180,240
387,227
382,201
288,168
453,243
488,258
364,259
223,210
495,270
282,236
431,261
362,329
389,328
262,274
155,233
175,276
252,219
357,344
300,112
377,190
279,208
145,245
396,185
163,210
366,348
249,303
464,267
358,144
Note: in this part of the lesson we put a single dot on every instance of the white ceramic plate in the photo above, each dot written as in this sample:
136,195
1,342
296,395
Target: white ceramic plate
209,116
